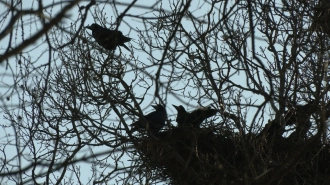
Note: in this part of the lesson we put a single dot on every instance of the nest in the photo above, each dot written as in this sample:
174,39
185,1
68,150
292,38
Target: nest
202,156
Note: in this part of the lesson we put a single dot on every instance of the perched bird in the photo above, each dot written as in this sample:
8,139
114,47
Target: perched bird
109,39
195,117
299,113
156,120
272,128
300,116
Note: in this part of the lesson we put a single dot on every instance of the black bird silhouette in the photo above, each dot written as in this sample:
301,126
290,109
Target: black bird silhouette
109,39
299,113
156,120
300,116
194,118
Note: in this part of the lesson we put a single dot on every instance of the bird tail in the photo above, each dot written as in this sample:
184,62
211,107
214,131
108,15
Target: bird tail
125,39
122,44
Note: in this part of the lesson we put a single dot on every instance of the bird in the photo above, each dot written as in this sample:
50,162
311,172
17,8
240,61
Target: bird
155,120
109,39
299,114
194,118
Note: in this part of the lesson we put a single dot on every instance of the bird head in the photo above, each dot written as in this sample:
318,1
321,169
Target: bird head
158,107
93,26
179,108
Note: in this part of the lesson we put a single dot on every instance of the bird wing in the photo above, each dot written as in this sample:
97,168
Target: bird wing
111,38
199,115
102,33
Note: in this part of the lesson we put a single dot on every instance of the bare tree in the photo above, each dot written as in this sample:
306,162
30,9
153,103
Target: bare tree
68,102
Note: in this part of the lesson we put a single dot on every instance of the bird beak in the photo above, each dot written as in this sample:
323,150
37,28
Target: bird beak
88,27
154,106
176,107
